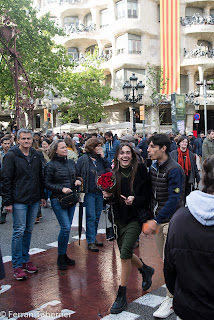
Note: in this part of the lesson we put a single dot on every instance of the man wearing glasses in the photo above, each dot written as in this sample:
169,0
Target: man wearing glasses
22,189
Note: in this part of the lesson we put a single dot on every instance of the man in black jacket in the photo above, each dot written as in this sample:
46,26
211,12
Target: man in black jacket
22,189
167,196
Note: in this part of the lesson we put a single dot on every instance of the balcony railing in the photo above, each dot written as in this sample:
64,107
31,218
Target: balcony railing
63,1
79,28
199,52
196,19
103,57
123,50
104,26
133,16
134,52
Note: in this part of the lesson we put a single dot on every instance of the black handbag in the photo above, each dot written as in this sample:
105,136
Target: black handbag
68,200
144,215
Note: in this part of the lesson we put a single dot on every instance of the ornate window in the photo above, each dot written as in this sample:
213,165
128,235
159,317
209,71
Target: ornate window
71,20
73,53
128,43
134,44
127,9
121,9
132,7
104,18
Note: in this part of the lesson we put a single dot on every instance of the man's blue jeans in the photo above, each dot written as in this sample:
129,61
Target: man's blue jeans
94,205
64,217
24,216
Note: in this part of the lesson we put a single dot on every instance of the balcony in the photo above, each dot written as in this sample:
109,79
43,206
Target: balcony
196,19
63,1
197,24
103,57
79,28
199,52
123,50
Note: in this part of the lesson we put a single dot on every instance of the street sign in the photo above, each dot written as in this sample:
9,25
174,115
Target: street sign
196,121
197,117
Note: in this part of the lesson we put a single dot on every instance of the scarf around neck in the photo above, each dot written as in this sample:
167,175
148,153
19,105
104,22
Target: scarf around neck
93,155
187,164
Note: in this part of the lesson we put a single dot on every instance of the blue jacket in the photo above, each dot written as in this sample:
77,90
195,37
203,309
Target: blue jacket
143,145
198,146
89,171
111,148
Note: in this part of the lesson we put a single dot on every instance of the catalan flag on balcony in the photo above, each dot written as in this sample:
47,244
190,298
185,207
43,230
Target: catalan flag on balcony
170,45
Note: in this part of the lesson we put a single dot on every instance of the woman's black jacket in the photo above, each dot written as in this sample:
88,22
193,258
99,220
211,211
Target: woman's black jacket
59,173
142,193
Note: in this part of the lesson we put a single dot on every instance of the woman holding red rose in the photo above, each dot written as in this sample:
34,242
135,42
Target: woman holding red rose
89,165
131,193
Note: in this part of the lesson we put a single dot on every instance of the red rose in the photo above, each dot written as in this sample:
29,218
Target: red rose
99,180
108,174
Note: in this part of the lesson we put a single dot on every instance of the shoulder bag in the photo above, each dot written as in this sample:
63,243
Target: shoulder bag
68,200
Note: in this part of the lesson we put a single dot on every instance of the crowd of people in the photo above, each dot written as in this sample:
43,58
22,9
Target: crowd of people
155,192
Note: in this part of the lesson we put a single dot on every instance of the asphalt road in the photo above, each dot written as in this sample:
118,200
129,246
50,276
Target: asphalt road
44,233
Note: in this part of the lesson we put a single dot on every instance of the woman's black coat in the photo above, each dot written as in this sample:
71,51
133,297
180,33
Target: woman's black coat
59,173
142,194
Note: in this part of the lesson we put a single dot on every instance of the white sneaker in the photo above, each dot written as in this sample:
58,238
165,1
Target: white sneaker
165,309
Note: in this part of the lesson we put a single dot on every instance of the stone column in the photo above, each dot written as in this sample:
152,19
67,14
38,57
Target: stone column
190,110
191,79
207,11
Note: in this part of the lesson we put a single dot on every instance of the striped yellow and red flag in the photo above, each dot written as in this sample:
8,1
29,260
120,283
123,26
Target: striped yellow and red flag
170,45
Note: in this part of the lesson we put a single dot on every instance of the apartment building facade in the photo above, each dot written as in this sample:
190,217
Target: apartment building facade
127,34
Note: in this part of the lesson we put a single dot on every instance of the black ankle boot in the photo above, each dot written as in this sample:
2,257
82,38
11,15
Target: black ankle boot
147,273
61,262
120,303
69,261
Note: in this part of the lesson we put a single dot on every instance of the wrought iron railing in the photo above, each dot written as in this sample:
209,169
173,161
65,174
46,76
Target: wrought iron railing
80,60
197,19
123,50
64,1
79,28
199,52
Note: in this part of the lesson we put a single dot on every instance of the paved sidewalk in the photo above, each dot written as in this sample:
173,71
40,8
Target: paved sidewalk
85,291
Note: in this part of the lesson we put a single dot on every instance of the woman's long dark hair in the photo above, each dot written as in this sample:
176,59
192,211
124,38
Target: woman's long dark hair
208,175
117,172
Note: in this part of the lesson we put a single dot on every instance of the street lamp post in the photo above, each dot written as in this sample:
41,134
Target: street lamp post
59,115
205,84
133,93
